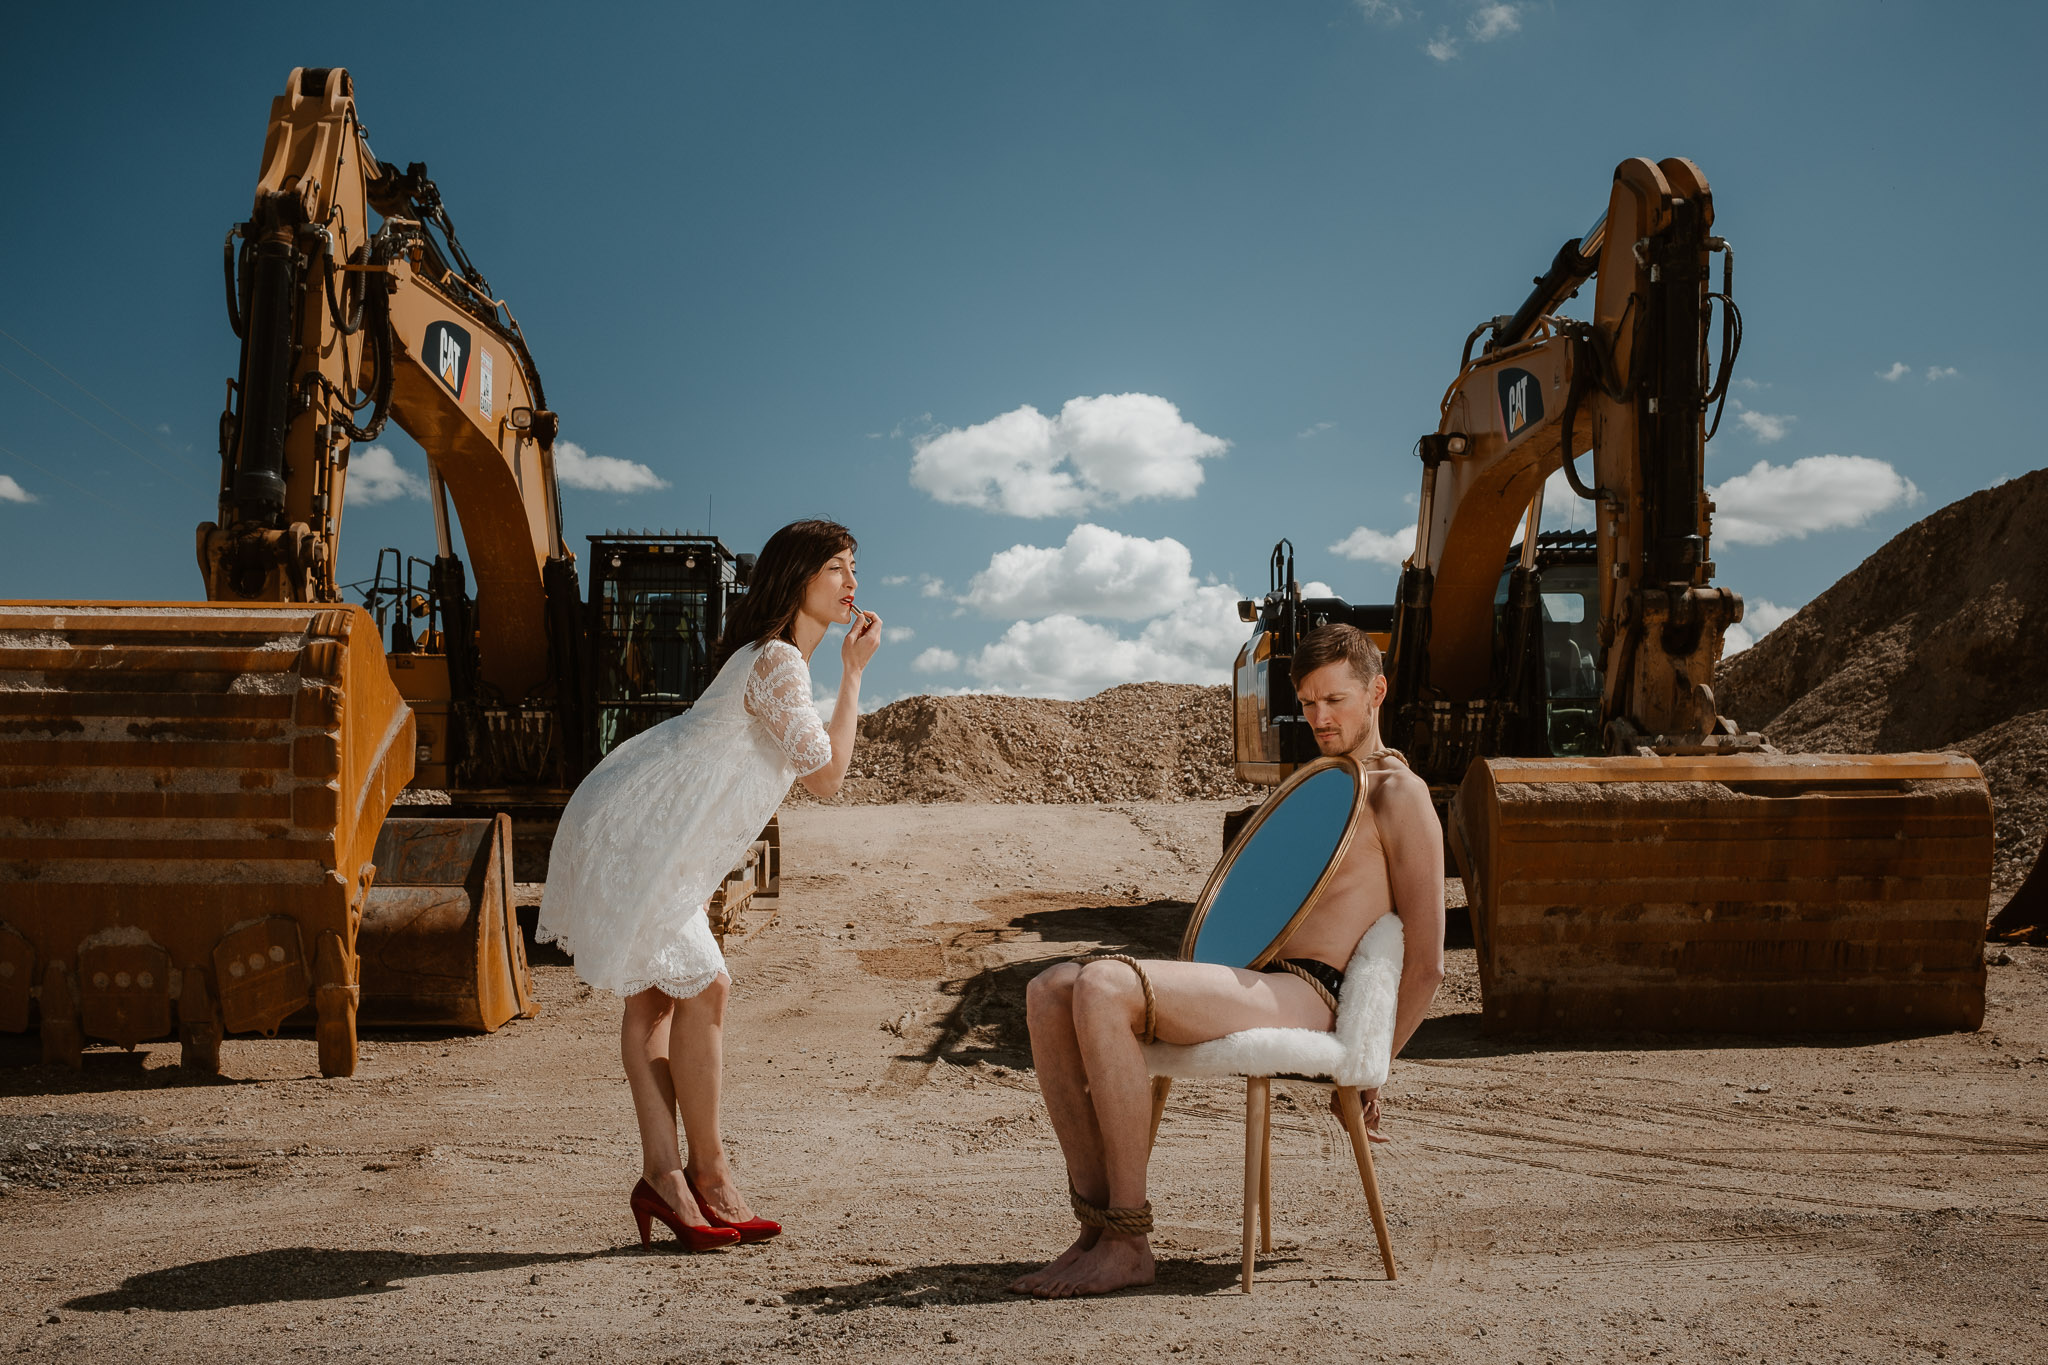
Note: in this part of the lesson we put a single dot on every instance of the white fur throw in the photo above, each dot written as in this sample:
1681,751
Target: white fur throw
1357,1052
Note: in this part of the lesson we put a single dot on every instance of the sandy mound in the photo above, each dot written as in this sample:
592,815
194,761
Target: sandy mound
1937,641
1139,742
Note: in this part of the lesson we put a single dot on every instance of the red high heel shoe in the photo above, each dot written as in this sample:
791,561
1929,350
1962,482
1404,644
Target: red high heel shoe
648,1206
749,1229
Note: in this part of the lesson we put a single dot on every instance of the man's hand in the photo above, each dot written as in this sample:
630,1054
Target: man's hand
1369,1101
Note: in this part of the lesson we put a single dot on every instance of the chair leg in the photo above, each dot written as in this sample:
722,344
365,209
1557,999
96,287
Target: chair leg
1361,1149
1266,1185
1160,1085
1258,1094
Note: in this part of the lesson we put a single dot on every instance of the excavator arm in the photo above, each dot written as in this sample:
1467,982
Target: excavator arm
335,318
1633,384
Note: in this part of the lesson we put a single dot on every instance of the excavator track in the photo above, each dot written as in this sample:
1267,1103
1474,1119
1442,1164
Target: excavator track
1753,893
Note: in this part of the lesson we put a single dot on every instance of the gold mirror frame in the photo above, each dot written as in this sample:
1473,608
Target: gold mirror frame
1243,841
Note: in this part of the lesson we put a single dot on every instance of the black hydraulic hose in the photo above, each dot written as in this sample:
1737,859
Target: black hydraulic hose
1585,357
377,315
236,319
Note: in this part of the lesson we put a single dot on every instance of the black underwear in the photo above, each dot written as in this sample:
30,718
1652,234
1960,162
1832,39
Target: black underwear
1332,980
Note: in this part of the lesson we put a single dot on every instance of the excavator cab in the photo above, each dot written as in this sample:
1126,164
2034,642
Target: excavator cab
1560,696
657,606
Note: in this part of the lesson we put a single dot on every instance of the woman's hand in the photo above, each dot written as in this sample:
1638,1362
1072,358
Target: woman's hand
863,638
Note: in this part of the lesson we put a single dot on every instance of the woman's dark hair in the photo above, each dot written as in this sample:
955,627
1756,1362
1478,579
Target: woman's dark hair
791,558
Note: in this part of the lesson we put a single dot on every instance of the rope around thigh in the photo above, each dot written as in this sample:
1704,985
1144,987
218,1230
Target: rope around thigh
1151,1033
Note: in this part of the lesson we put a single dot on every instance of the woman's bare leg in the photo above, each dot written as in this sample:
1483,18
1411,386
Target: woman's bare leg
696,1059
1056,1056
644,1048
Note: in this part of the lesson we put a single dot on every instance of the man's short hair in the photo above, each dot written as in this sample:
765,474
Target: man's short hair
1333,644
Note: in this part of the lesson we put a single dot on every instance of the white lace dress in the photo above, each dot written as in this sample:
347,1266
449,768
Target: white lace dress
653,830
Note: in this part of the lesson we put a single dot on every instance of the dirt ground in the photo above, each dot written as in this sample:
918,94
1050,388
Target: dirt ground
1879,1198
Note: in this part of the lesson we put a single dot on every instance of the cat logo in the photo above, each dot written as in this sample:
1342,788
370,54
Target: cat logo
447,354
1521,402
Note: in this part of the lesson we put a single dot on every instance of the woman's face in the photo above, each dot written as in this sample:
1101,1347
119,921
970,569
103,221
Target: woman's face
828,597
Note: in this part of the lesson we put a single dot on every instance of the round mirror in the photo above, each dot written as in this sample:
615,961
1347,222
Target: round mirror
1270,878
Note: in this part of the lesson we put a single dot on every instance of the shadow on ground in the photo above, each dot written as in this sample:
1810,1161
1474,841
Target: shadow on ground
305,1274
985,1021
1451,1036
989,1281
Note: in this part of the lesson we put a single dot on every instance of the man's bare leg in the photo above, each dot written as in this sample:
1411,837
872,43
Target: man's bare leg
1109,1015
1110,1128
1056,1055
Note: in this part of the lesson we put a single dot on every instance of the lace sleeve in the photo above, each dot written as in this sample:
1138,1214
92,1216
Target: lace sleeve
779,697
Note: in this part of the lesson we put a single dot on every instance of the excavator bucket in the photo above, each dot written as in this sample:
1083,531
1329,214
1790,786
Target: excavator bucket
440,940
1753,893
189,796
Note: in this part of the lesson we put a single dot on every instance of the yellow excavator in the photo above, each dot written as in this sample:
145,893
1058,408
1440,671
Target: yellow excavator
1632,859
195,796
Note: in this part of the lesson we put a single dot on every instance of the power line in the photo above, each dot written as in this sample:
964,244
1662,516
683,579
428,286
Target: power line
48,474
167,449
174,474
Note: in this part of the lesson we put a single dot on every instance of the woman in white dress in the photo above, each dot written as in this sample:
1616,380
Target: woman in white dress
653,830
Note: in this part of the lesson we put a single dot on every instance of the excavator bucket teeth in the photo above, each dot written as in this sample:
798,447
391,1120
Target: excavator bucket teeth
440,939
1740,893
189,793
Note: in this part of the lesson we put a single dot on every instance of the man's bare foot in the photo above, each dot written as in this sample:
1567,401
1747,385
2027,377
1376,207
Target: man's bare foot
1118,1261
1029,1284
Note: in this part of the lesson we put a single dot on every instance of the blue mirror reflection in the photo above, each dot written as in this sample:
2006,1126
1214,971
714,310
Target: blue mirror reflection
1276,869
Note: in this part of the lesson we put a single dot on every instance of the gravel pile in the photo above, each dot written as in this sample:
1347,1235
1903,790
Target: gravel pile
1139,742
1937,641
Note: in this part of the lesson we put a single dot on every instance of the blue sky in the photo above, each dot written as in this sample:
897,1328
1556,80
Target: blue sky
776,253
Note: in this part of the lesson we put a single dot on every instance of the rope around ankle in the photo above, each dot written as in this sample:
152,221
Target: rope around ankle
1151,1032
1131,1222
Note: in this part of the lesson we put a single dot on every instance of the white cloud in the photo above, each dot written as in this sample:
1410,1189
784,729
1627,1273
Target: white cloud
1759,618
1935,372
576,468
1386,11
1899,370
931,587
1376,546
375,475
1493,20
1443,47
1766,428
1064,656
896,635
1317,588
1564,509
1748,385
1098,572
1818,493
10,491
896,580
936,660
1098,452
1310,433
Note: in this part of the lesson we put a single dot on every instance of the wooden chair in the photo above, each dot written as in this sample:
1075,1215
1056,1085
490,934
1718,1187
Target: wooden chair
1353,1056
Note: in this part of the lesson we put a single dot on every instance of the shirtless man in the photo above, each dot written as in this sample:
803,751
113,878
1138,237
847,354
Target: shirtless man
1086,1020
